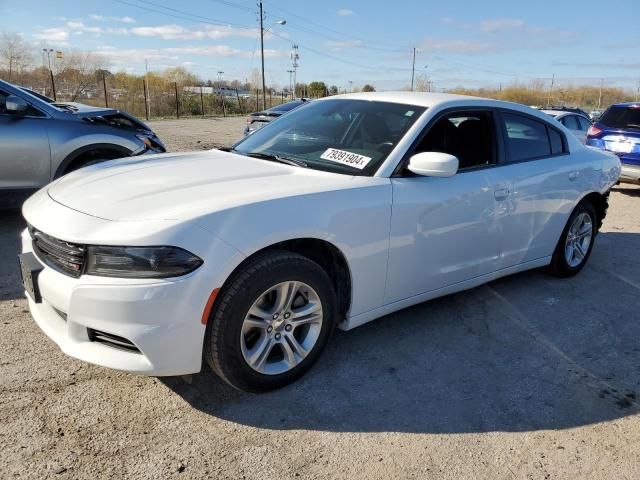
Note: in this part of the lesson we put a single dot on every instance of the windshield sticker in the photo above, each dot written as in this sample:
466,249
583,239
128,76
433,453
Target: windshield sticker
350,159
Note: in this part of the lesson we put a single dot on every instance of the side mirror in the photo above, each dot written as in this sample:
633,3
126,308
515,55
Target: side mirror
433,164
17,105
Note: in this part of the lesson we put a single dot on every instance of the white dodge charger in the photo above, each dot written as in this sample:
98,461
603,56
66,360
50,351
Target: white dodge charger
342,211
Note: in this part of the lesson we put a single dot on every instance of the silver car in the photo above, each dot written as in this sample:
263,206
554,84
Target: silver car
41,140
574,121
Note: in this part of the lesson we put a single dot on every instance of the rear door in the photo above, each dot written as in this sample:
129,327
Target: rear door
25,158
544,183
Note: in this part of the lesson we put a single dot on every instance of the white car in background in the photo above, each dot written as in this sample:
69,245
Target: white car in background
338,213
578,124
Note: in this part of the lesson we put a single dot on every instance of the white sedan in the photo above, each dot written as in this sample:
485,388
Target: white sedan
338,213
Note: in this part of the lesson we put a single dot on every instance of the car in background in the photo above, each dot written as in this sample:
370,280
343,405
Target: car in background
41,140
352,207
571,118
618,131
258,120
594,115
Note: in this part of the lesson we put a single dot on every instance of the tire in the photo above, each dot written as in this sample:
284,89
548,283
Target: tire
565,261
231,340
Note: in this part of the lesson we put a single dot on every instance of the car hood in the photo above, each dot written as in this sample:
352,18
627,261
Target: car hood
184,185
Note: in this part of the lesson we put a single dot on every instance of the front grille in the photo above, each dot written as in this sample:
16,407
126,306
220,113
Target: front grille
111,340
65,257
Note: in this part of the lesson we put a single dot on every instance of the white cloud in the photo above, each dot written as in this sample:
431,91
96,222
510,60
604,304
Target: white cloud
52,35
498,24
457,46
178,32
102,18
133,55
79,27
340,45
345,12
221,51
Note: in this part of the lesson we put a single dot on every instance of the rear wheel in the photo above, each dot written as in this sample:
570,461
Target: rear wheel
575,244
272,320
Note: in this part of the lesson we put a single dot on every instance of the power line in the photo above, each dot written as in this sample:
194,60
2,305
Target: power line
324,27
182,13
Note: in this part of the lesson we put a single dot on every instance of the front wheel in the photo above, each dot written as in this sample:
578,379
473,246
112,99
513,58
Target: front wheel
271,322
576,242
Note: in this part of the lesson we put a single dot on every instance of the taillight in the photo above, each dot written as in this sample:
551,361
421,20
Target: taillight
593,131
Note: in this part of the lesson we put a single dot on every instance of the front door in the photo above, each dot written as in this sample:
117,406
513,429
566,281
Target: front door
25,158
447,230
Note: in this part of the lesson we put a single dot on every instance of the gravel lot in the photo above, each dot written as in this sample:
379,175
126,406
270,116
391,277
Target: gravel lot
527,377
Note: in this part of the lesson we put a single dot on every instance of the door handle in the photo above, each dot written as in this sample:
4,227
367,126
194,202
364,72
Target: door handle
573,175
501,193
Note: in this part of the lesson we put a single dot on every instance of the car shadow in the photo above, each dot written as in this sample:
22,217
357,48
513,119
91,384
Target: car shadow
526,352
11,223
627,189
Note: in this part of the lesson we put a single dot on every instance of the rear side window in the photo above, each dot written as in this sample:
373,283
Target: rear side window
584,124
621,117
528,139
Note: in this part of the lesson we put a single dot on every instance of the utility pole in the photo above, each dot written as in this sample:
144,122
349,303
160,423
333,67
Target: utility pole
147,99
413,68
350,86
290,77
295,57
264,94
553,77
638,91
600,95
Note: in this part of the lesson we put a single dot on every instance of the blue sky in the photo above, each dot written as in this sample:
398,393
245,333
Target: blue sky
468,43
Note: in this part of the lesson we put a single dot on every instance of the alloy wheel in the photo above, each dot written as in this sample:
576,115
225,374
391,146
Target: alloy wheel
578,240
281,327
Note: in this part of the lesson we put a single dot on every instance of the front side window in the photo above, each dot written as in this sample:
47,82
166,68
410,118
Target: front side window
469,135
352,137
527,138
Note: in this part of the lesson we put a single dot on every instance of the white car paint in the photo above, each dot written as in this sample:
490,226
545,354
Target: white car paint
405,240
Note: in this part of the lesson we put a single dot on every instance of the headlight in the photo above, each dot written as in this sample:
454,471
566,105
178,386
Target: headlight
140,262
150,143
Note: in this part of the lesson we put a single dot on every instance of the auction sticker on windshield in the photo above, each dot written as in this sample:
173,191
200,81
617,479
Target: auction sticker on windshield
350,159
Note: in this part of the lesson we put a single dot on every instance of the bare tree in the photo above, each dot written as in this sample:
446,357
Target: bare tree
76,72
15,52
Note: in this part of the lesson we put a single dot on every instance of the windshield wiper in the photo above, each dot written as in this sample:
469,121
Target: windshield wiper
226,149
277,158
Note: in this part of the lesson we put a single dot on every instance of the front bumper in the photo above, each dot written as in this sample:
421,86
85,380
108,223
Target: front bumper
159,317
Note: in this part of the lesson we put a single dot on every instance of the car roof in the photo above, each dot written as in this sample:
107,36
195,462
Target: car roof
627,104
432,100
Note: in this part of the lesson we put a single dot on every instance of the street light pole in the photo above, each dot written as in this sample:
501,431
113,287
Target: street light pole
413,67
49,51
290,80
264,96
262,31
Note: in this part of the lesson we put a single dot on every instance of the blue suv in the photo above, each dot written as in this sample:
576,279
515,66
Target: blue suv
618,131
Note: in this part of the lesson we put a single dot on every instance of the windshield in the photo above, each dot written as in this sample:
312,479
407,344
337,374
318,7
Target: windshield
352,137
285,107
621,117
